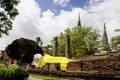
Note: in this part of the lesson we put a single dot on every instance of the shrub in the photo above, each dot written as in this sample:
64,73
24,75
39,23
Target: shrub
21,74
13,67
2,74
13,72
3,70
3,66
17,73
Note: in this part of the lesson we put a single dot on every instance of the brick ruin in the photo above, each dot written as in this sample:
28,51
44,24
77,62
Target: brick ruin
108,64
104,64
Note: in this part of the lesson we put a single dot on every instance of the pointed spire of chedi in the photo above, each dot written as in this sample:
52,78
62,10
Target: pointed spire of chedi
79,21
105,42
105,34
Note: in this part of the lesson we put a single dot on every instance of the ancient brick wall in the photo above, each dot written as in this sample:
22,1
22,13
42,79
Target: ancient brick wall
107,65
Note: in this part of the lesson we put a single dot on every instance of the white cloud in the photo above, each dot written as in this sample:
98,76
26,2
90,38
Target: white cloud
26,23
31,22
94,2
107,11
95,15
53,25
63,3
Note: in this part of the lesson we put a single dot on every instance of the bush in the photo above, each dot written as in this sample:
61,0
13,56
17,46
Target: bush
3,66
13,66
13,72
17,73
21,74
2,74
3,70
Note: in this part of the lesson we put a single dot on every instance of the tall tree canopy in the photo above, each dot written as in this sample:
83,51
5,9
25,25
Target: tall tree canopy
115,41
83,41
39,41
8,12
23,50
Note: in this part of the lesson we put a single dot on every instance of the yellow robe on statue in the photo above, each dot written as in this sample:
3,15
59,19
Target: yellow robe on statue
51,59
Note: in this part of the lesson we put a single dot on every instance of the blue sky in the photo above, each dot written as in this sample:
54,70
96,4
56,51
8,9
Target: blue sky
56,7
48,18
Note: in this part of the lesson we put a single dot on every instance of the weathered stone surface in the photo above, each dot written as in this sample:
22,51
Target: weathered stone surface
107,64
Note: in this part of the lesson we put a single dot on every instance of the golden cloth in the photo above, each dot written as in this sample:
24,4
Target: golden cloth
51,59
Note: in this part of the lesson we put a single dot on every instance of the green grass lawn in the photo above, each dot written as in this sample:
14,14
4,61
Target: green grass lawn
45,78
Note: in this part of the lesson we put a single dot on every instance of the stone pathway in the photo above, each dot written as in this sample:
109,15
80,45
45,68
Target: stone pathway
31,78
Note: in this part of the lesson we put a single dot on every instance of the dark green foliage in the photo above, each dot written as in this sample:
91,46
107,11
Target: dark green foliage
3,70
7,14
13,66
17,73
2,74
23,50
20,74
39,41
3,66
13,72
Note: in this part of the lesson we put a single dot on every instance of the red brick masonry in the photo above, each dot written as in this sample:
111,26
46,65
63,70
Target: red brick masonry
106,64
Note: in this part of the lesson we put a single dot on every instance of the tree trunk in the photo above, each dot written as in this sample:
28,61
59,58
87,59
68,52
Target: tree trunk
67,51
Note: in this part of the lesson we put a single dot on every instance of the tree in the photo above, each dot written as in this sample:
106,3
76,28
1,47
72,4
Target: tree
83,41
115,41
8,12
39,41
61,44
49,49
23,50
